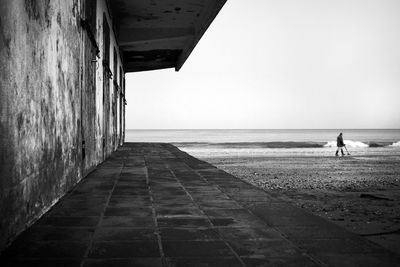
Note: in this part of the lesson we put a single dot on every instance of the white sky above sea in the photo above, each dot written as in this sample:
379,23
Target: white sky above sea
281,64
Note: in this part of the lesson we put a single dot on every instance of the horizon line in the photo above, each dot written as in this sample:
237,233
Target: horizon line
183,129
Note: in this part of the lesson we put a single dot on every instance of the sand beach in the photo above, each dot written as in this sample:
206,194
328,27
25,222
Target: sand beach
360,193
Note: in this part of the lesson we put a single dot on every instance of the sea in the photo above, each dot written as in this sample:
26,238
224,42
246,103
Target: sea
274,142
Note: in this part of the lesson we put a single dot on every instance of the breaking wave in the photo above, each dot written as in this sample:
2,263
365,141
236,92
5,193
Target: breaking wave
348,143
358,144
395,144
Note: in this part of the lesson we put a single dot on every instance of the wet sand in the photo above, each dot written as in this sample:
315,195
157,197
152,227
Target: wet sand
361,193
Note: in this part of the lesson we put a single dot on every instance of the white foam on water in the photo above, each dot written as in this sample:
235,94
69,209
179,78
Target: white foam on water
349,143
395,144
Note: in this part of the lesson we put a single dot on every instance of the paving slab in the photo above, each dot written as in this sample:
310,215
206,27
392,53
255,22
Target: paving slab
151,204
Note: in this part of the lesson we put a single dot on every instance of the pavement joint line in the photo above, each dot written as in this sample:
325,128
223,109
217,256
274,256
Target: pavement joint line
89,247
303,252
154,215
284,236
208,218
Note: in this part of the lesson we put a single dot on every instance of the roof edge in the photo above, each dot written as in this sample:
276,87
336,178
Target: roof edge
186,52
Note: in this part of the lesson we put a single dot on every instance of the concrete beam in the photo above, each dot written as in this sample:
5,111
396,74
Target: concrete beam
144,66
171,43
129,36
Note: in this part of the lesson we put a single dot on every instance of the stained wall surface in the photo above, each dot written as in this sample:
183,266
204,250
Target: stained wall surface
52,118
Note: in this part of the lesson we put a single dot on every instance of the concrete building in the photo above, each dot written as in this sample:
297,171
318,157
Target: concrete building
62,88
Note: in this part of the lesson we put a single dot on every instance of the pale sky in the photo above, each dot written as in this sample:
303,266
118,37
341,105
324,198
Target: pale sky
268,64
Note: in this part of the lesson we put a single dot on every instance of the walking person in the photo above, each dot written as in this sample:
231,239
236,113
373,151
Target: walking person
340,144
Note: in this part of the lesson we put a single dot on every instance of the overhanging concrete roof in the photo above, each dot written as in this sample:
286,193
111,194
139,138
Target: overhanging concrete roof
158,34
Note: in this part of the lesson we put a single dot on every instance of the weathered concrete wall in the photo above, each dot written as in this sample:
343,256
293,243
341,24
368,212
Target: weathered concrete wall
40,102
51,105
88,84
107,78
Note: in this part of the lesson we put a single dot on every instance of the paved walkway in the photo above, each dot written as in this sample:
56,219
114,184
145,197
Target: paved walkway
153,205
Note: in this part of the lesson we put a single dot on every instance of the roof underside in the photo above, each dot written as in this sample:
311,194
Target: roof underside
158,34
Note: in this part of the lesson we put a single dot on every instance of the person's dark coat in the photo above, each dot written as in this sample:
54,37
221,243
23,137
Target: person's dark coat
339,141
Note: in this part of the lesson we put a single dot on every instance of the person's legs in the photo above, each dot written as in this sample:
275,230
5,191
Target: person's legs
341,149
337,151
